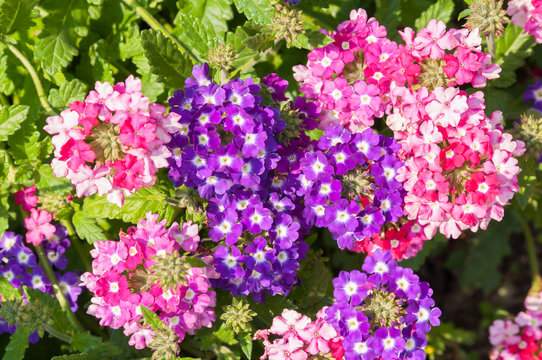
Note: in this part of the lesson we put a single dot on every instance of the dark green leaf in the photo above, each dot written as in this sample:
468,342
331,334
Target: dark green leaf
512,48
167,61
259,11
195,34
11,118
17,344
213,13
84,341
311,39
66,23
59,317
15,15
151,318
196,262
87,228
245,340
135,206
429,247
100,351
388,13
68,92
441,10
526,180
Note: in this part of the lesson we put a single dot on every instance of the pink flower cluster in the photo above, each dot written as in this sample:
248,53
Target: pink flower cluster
352,77
38,223
527,14
521,337
122,280
460,168
300,337
113,142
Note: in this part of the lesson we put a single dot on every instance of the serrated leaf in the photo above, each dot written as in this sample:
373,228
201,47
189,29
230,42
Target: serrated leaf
100,351
50,183
11,118
511,50
68,92
441,10
213,13
259,11
17,344
245,340
151,318
527,180
166,60
59,317
135,206
15,15
87,228
195,34
66,23
84,341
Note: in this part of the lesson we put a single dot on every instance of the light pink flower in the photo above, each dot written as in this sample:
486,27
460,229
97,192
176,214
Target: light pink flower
39,226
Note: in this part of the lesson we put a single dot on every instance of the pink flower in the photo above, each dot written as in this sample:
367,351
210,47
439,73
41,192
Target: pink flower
433,40
26,198
289,323
503,333
317,336
39,226
447,107
287,349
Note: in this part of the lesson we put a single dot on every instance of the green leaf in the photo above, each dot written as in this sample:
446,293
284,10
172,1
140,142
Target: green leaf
7,290
311,39
15,15
135,206
259,11
441,10
59,318
50,183
245,340
87,228
64,26
84,341
100,351
17,344
213,13
429,247
4,216
196,262
68,92
511,49
166,60
195,34
25,144
464,14
388,13
151,318
11,118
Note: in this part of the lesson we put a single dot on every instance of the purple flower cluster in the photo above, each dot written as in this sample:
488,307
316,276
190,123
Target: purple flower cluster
19,264
349,184
243,158
383,312
533,95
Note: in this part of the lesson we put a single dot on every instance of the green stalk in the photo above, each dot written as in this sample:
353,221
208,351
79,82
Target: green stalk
156,25
58,292
76,242
531,251
491,47
253,61
54,332
35,78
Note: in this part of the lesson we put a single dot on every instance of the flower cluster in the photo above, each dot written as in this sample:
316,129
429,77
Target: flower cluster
18,265
533,95
519,338
383,312
243,159
527,14
352,77
300,337
111,143
349,184
145,268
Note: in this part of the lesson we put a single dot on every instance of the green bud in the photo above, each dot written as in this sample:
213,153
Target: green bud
238,316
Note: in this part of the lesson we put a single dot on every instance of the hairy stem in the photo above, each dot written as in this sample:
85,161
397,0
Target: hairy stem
58,292
35,78
76,242
492,49
59,335
531,251
156,25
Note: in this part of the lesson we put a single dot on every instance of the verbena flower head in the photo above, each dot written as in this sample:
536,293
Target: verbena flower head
349,184
243,159
527,14
383,312
111,143
151,266
298,337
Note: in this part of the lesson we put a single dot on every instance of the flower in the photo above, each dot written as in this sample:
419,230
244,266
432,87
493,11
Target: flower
39,226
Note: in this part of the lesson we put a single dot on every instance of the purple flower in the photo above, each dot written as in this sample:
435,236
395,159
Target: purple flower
228,264
257,218
342,217
285,232
334,135
9,241
201,76
534,94
227,227
69,285
315,165
350,287
276,86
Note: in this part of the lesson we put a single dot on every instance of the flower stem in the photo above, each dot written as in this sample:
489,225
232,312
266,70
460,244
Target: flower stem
76,242
531,251
58,292
35,78
252,62
59,335
492,49
156,25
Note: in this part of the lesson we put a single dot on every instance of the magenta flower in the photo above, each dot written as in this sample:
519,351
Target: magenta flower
39,226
